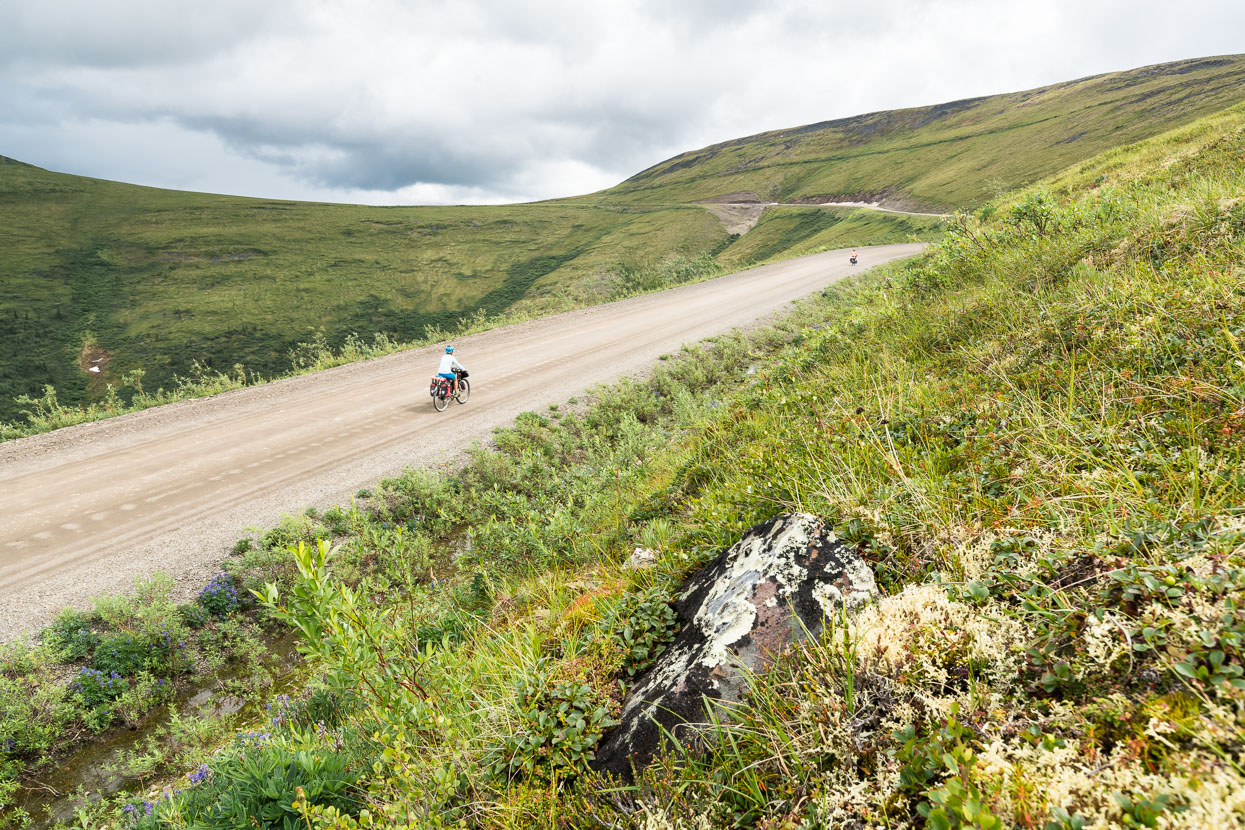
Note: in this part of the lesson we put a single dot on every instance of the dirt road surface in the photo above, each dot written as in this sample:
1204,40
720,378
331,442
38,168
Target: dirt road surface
87,509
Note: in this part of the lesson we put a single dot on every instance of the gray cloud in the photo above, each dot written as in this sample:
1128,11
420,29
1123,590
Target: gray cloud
109,34
476,100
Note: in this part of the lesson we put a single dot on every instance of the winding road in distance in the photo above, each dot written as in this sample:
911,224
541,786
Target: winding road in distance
88,508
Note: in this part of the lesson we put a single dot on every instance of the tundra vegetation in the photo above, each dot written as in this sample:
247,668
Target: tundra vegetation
172,295
1034,434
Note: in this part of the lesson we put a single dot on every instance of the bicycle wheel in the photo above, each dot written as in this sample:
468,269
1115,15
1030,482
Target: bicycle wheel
464,391
439,403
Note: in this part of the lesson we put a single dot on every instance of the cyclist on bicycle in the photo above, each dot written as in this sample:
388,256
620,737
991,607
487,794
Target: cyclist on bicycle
446,370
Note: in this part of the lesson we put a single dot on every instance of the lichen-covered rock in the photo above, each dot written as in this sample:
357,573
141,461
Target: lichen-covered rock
774,587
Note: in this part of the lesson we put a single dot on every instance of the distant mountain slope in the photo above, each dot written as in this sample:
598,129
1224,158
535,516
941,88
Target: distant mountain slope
950,155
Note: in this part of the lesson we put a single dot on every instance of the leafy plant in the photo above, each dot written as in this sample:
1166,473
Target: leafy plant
120,654
938,767
98,688
642,624
71,634
560,722
259,789
220,597
1144,812
194,615
1215,656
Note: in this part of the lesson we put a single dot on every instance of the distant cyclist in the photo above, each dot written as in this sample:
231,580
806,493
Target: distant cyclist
446,370
852,258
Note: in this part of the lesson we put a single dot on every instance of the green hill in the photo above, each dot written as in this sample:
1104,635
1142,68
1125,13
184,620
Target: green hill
120,277
157,279
947,156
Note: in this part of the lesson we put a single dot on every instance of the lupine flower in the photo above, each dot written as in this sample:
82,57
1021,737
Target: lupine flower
220,594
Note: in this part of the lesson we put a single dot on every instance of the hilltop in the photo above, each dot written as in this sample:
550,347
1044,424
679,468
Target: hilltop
948,156
119,278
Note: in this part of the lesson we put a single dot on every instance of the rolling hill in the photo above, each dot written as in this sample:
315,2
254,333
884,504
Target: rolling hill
120,277
947,156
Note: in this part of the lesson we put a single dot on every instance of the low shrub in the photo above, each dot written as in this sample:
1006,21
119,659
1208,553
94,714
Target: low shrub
193,614
641,626
337,521
220,597
120,654
261,788
560,722
98,688
145,694
291,531
36,707
71,635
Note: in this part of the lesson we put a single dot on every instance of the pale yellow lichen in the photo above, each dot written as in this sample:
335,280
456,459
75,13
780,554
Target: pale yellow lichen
1027,779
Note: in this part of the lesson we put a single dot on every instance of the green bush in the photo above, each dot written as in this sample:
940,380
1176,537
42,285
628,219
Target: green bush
320,707
641,625
97,688
291,531
193,614
120,654
146,693
337,521
938,767
35,707
220,596
257,789
560,724
71,635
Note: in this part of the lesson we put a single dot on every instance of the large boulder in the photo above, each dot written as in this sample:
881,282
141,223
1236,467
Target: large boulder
774,587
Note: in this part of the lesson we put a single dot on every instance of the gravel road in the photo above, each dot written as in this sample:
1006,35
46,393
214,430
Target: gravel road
86,509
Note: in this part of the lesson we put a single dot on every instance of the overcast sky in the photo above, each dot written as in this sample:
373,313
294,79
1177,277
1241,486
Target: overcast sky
424,102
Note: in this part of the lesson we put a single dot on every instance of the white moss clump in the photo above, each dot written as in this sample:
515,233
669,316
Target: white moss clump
916,635
1104,644
1030,780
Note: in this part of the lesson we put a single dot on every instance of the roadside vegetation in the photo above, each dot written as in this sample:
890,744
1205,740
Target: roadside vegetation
1034,433
130,393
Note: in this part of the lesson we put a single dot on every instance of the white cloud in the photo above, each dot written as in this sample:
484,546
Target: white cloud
389,101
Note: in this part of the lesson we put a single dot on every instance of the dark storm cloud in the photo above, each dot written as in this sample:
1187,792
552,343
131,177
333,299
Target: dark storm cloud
386,100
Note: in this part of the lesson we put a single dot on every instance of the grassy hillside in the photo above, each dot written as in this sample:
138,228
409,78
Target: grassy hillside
1034,433
155,280
948,156
126,278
